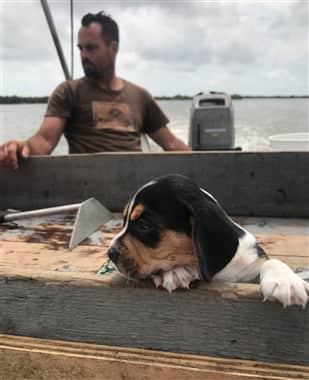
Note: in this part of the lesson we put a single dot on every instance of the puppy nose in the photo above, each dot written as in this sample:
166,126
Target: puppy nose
113,254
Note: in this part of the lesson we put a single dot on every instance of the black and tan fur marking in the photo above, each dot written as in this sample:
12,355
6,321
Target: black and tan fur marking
160,230
175,249
137,212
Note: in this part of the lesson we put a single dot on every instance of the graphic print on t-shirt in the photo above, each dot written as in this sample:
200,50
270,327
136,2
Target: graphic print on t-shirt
112,115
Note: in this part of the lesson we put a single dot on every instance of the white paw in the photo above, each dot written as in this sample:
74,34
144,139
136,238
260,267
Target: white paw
180,277
280,283
157,280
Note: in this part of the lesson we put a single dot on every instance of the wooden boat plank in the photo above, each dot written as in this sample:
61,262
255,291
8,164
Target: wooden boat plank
245,183
89,258
227,320
49,292
44,246
32,358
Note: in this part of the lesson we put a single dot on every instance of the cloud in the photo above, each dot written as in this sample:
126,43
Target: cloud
20,40
168,47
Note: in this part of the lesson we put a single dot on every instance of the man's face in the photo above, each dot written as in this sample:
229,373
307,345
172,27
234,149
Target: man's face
97,56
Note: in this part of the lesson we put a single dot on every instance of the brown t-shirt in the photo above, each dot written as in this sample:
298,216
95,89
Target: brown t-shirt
104,121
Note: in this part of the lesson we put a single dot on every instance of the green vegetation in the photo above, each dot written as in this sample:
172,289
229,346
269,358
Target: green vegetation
22,99
269,96
237,96
176,97
43,99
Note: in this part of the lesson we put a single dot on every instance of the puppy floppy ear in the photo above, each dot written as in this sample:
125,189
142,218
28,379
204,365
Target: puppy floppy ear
215,236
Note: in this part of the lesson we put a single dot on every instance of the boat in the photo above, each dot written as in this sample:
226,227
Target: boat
290,141
60,318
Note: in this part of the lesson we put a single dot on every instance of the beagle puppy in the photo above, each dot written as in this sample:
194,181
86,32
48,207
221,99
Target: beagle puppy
175,232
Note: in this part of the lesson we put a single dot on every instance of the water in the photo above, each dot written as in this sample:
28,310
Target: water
255,121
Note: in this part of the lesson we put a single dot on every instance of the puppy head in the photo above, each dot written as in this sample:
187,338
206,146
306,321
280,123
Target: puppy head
156,234
171,222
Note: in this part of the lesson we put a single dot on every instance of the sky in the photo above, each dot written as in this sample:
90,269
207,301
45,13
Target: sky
168,47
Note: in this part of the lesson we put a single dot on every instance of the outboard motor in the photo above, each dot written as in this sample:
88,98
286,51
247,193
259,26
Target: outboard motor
212,122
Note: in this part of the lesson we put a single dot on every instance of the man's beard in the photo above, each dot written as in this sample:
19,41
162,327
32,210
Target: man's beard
90,70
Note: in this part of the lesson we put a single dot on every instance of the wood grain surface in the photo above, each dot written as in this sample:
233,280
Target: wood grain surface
28,358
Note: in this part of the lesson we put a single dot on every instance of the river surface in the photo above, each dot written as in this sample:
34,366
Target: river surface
255,120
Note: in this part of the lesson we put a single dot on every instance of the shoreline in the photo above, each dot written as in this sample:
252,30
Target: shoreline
44,99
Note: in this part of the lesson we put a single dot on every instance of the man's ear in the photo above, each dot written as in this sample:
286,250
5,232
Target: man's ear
114,46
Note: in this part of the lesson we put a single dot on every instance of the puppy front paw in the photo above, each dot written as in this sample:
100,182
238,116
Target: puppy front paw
280,283
179,277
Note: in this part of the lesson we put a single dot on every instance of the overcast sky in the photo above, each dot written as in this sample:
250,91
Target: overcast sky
168,47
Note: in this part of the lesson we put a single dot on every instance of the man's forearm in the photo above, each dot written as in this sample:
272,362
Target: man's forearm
167,140
39,145
177,144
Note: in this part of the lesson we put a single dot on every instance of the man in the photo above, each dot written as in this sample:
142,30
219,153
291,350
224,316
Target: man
99,112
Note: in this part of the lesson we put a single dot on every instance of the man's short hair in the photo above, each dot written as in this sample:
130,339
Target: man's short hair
110,31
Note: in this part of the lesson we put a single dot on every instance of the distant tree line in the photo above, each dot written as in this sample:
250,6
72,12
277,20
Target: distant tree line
236,96
176,97
23,99
44,99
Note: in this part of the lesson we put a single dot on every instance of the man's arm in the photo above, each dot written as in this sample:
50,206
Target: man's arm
43,142
167,140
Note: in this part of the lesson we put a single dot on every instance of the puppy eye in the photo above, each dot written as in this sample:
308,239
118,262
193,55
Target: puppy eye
144,225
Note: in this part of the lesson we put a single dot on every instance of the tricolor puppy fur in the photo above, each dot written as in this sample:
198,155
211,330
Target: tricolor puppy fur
175,232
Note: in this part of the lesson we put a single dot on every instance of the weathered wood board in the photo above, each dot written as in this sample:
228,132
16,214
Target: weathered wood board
32,359
49,292
42,244
224,321
245,183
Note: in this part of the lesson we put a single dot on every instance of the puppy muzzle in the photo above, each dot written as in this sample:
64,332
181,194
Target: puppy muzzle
119,256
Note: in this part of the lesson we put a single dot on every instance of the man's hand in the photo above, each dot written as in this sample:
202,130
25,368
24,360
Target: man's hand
41,143
12,151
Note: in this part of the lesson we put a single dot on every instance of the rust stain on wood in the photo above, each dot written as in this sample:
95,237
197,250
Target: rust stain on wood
44,247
